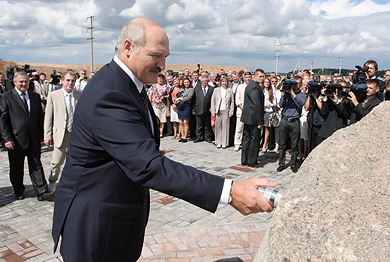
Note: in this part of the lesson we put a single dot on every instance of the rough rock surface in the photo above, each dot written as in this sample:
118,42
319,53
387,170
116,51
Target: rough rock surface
338,206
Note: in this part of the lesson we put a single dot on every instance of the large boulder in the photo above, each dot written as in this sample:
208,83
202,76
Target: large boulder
338,206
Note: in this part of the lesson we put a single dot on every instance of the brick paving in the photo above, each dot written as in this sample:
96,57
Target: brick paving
176,231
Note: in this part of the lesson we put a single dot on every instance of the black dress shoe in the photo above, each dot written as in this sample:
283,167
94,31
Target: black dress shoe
255,165
180,140
198,140
184,141
209,140
294,168
280,168
45,196
19,197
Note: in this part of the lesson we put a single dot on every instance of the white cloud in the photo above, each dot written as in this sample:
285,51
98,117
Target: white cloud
241,32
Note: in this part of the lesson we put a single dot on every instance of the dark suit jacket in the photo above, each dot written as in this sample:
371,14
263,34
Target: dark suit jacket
17,124
358,112
334,118
253,111
202,103
102,200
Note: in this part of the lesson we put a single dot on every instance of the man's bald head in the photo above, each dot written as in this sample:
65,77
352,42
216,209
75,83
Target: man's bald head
136,31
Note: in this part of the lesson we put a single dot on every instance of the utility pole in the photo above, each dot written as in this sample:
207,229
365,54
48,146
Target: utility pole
91,39
277,51
311,64
340,65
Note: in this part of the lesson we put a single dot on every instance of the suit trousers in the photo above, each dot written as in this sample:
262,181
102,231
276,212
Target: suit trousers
222,128
238,133
250,145
288,130
16,162
58,158
203,126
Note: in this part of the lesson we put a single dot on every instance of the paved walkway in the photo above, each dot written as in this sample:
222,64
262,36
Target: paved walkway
177,231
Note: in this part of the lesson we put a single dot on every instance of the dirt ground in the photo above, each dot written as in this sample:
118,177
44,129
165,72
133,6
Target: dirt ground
48,68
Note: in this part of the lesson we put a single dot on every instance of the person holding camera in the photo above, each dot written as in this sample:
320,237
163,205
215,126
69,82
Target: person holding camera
41,87
82,81
292,101
314,118
55,81
333,111
362,109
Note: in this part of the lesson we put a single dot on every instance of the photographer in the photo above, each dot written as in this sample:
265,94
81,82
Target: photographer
41,87
291,101
82,81
363,108
371,68
333,110
314,118
55,81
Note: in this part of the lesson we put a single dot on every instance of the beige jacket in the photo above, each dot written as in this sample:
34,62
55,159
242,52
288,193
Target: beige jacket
55,116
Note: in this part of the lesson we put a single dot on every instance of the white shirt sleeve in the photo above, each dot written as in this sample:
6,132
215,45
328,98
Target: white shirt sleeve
225,191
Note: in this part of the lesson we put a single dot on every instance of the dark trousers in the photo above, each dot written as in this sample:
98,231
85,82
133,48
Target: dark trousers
250,145
203,126
315,140
192,126
168,128
288,130
16,162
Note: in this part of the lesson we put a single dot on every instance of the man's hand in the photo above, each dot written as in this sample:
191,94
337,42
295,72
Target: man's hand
247,199
10,145
48,143
353,98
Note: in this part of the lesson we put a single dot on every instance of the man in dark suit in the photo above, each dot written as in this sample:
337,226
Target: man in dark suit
4,84
202,96
253,119
102,199
22,132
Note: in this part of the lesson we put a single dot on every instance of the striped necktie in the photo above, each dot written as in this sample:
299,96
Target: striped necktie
69,111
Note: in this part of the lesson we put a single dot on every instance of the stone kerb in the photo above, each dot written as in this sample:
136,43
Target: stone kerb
338,206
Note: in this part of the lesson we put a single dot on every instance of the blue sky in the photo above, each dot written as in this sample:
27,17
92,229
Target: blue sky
215,32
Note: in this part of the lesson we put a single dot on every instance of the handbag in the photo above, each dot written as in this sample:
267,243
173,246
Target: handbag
274,119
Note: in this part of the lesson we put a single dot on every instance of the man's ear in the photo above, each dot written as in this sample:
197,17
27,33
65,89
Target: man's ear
127,47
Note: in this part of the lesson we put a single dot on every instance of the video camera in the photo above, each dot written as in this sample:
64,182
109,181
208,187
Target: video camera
360,75
55,79
315,87
288,84
359,85
330,90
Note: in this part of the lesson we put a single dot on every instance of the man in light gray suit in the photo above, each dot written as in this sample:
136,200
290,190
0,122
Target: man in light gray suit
58,123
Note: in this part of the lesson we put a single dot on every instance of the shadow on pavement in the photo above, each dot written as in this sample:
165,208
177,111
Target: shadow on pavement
7,195
233,259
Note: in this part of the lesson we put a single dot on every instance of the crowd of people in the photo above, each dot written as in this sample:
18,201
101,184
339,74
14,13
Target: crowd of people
224,108
207,106
35,110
